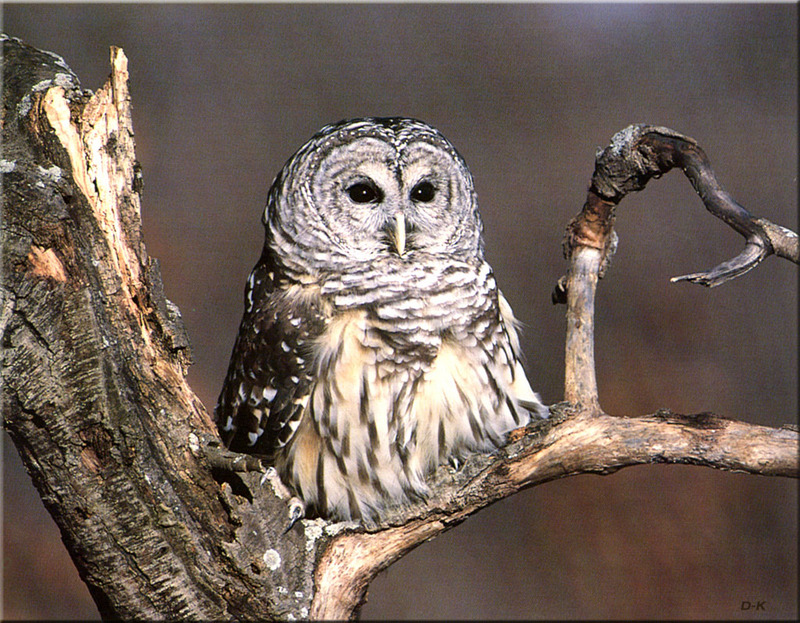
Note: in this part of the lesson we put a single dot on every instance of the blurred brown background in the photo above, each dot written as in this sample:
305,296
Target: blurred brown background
223,95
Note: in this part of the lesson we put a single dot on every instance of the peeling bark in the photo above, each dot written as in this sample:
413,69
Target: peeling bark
125,456
94,360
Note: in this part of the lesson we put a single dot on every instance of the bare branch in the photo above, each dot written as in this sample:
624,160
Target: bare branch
636,155
573,443
580,381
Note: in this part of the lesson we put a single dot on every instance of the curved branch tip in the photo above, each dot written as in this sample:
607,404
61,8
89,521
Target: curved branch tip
747,260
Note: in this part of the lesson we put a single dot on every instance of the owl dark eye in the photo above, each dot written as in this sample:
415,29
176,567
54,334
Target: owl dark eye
365,192
423,192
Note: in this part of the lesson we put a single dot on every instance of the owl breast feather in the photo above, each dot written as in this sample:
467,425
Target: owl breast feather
402,384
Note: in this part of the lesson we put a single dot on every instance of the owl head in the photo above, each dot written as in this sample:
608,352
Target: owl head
373,190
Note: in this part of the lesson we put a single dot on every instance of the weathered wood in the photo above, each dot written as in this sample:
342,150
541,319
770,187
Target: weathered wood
94,362
117,444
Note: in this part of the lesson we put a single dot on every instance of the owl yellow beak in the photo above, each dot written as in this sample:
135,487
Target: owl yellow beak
399,233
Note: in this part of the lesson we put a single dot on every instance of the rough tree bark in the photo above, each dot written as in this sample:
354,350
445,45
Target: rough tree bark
117,444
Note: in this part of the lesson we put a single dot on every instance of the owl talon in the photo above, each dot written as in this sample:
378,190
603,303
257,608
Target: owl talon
228,461
297,511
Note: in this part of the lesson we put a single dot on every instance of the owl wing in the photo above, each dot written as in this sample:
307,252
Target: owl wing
269,378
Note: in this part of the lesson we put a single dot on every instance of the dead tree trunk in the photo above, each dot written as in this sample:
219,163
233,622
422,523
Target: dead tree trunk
96,401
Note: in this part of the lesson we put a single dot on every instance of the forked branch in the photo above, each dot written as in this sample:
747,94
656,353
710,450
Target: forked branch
636,155
96,400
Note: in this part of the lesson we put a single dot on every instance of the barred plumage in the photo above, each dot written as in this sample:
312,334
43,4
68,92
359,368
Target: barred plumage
375,344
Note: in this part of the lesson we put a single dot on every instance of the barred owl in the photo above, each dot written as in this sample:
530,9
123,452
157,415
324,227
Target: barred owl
375,344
